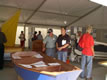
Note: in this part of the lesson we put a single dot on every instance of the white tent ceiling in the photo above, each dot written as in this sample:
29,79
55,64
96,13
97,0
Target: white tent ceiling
47,12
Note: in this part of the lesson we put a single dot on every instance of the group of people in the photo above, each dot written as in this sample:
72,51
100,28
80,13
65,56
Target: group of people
35,37
52,43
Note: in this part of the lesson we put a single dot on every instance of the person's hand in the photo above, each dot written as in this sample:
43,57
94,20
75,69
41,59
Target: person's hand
93,56
43,49
59,49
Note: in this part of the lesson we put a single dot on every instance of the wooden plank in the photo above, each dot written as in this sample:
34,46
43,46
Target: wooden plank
37,45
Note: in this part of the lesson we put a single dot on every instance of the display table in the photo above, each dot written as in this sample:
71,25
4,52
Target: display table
9,50
104,63
38,66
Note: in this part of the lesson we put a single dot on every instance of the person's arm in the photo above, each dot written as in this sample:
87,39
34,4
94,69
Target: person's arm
93,50
24,37
66,45
63,47
92,47
42,37
44,44
60,48
56,45
44,47
57,41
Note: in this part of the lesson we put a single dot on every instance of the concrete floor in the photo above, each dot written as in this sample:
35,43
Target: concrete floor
8,74
99,72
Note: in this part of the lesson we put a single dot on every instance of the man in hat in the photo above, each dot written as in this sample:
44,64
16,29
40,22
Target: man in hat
49,43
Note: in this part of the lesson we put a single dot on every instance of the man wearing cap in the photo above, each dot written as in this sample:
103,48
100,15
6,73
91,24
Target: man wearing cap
49,44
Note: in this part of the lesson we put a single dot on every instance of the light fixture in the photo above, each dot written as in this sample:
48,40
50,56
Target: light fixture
65,22
101,2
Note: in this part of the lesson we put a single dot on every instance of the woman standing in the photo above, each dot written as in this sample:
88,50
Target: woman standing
22,39
87,43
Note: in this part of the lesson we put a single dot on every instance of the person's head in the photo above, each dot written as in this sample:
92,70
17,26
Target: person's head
35,32
39,32
50,31
21,32
79,33
63,31
89,29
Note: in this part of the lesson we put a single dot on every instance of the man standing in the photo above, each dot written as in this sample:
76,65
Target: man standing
62,43
39,36
34,36
2,41
87,43
49,44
